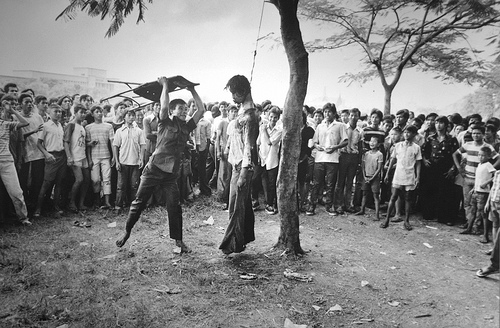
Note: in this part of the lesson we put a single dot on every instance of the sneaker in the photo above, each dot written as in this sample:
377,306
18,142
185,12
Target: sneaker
269,209
310,211
331,211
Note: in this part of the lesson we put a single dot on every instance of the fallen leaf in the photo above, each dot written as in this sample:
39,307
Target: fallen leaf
290,324
177,250
365,283
394,303
489,317
317,308
335,308
209,221
383,253
280,289
297,276
164,289
175,290
427,245
112,225
411,253
84,244
393,268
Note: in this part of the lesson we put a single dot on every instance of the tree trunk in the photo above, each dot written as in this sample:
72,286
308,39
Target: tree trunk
387,100
292,123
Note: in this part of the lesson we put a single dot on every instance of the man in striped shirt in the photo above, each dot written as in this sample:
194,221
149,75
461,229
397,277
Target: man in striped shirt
469,152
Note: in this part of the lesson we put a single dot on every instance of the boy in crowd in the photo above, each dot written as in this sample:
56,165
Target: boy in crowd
349,161
470,150
493,205
75,148
163,167
329,138
371,167
269,142
42,106
8,172
408,158
33,160
479,195
99,136
129,147
202,137
50,143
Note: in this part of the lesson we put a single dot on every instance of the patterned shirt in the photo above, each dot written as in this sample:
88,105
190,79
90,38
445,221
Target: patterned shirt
472,159
440,153
31,151
495,188
5,128
102,133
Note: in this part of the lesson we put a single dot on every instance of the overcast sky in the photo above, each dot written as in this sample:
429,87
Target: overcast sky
205,41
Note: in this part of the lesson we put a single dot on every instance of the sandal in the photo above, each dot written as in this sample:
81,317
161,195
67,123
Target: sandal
486,271
484,240
396,219
384,224
466,232
407,226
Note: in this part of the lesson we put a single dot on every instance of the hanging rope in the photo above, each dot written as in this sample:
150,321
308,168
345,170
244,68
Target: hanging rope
257,41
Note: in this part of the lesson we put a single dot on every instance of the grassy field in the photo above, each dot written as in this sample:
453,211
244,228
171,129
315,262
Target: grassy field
57,274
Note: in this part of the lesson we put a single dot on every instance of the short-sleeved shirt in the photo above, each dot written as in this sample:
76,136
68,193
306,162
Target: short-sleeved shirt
269,154
370,132
471,150
202,134
129,140
5,129
440,153
173,135
74,135
354,136
406,156
329,135
31,151
371,161
102,133
52,136
484,172
150,124
495,188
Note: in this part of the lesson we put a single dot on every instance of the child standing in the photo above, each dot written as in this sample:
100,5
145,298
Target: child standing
408,158
371,166
479,194
493,204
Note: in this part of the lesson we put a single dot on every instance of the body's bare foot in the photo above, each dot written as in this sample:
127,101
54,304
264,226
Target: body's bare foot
408,226
184,248
120,242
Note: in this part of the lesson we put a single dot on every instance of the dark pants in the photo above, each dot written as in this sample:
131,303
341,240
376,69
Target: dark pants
257,184
437,196
128,181
324,174
54,174
152,177
348,164
495,256
240,230
36,170
269,178
202,172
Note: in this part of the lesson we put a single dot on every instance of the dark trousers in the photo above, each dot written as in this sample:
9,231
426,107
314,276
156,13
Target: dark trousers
202,172
269,178
348,165
128,181
325,173
240,230
151,177
436,195
257,184
35,169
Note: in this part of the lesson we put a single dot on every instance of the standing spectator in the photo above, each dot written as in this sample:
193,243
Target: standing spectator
129,146
202,136
329,138
371,167
65,103
349,162
11,89
493,205
163,167
304,174
437,195
33,159
408,157
8,172
269,142
75,148
224,175
99,138
50,143
42,106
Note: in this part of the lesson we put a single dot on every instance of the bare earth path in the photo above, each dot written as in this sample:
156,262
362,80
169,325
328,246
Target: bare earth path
55,274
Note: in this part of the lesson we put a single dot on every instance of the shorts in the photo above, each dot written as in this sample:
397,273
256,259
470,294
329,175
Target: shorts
374,186
82,163
494,215
404,188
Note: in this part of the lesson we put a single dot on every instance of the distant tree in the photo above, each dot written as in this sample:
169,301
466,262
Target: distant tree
430,35
298,62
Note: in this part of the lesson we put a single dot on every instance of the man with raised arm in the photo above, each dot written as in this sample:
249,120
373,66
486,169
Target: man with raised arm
164,164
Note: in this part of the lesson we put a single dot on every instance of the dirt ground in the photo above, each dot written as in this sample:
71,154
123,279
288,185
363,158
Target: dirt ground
55,274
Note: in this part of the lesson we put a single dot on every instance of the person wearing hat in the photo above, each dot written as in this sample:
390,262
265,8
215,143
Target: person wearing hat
437,182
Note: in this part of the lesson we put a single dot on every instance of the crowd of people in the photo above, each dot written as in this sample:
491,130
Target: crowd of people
71,154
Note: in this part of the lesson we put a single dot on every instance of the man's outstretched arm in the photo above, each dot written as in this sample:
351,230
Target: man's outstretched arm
200,108
164,98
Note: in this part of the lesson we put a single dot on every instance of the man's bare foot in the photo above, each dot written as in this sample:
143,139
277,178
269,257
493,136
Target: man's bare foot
184,248
360,213
120,242
384,224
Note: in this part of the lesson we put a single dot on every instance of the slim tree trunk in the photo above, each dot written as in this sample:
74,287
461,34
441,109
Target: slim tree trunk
292,123
387,100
